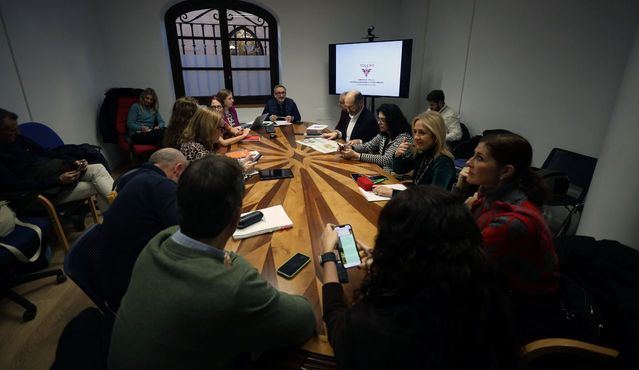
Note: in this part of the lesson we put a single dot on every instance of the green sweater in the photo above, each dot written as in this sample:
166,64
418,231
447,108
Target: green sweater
184,309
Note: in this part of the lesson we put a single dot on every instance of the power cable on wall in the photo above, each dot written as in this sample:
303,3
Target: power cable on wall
15,65
470,34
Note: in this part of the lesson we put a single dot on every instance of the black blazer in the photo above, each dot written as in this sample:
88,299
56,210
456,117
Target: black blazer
365,128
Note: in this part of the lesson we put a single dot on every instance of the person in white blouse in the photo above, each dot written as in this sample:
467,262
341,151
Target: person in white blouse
436,102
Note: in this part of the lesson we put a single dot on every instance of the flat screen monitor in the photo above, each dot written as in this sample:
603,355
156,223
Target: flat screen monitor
374,68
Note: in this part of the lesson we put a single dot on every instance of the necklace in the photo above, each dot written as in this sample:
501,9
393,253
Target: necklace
423,168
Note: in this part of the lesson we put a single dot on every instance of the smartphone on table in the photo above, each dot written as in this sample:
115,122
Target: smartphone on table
349,253
294,265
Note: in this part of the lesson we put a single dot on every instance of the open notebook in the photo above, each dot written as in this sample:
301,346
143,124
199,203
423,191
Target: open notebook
275,218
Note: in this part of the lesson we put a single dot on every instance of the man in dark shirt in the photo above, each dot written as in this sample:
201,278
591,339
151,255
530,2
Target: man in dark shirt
25,166
280,107
145,205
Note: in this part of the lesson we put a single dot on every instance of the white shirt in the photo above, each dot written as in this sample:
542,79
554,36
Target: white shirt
351,125
451,119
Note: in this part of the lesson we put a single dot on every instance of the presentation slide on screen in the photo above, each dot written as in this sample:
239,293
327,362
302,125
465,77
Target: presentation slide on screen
372,68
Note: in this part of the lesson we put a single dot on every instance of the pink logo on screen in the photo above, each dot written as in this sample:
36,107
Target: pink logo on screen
367,68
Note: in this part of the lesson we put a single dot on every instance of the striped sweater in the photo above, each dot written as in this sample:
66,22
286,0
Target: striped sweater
379,151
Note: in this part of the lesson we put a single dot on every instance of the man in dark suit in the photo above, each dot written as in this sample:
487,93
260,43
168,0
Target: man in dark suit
280,107
146,204
362,124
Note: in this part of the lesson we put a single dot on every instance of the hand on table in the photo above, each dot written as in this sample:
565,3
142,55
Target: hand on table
330,135
289,118
354,142
350,154
273,117
382,190
144,129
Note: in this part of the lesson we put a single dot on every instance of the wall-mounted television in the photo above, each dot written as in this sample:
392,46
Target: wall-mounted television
374,68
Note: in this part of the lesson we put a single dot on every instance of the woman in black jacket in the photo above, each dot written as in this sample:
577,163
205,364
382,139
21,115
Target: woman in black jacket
429,299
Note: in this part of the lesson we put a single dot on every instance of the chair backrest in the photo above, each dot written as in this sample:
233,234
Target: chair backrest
578,167
465,132
124,103
41,134
82,264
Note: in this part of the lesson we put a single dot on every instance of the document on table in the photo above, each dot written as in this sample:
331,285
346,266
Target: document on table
275,218
320,144
372,197
282,123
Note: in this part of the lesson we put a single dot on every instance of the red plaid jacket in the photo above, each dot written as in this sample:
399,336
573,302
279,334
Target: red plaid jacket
518,240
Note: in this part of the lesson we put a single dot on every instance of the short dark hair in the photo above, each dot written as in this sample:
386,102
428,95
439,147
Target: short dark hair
395,120
436,96
6,114
209,192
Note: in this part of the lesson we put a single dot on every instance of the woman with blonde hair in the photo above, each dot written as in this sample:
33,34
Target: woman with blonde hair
201,135
429,159
183,109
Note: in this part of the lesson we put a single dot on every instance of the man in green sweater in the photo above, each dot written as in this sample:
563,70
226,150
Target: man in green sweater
192,305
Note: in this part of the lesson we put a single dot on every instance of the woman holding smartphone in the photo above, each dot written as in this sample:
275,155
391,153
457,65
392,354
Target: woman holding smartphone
428,292
429,158
393,130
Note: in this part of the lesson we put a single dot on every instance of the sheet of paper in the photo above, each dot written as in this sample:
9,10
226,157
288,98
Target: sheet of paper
320,144
282,123
371,197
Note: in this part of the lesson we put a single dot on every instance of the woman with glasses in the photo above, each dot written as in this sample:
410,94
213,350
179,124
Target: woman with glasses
429,159
183,109
429,299
230,135
229,114
144,122
394,130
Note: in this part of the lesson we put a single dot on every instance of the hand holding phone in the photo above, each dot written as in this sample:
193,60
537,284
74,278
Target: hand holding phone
347,246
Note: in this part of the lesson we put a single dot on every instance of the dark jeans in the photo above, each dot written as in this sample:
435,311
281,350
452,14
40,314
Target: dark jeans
153,137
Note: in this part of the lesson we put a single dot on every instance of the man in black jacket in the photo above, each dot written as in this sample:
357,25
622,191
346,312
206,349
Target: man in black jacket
362,124
145,205
27,167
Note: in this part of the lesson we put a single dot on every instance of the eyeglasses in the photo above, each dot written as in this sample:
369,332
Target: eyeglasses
217,107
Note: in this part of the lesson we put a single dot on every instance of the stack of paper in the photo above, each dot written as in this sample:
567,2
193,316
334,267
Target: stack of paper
372,197
275,218
320,144
315,130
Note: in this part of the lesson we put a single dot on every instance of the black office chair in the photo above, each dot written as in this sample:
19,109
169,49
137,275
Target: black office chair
82,264
579,168
27,241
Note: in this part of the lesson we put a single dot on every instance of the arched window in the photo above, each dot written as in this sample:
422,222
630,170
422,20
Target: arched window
222,44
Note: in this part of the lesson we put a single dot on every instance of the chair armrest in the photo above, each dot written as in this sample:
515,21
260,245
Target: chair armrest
549,346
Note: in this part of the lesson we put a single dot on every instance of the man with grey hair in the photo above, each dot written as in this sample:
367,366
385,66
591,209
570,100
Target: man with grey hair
362,125
145,205
279,107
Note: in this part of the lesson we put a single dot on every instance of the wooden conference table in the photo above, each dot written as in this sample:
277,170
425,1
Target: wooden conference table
320,192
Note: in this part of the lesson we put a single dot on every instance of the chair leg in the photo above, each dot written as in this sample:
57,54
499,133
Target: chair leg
30,308
21,279
94,212
55,221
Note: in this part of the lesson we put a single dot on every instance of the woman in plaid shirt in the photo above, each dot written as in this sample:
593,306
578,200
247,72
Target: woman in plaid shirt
394,129
516,237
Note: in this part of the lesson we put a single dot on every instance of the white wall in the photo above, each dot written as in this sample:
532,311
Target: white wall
57,50
549,70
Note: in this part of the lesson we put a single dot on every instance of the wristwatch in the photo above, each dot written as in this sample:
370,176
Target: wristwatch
327,257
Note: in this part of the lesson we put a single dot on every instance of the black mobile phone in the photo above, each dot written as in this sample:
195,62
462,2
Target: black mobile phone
294,265
356,176
250,219
257,157
347,246
269,129
282,173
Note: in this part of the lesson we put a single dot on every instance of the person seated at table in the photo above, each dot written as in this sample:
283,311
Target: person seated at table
193,305
343,114
145,205
362,123
279,107
429,299
144,122
429,159
230,135
230,113
200,137
394,130
436,103
516,237
25,166
183,109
